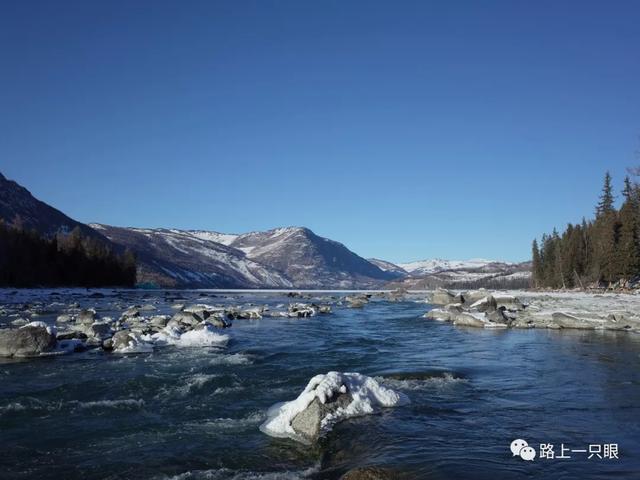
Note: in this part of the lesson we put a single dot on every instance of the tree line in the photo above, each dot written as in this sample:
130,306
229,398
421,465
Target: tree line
603,252
27,259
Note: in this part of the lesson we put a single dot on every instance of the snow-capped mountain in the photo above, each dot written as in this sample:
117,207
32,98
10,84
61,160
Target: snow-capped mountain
191,258
292,257
464,274
426,267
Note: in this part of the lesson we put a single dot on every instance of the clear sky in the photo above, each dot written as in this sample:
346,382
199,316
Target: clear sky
405,130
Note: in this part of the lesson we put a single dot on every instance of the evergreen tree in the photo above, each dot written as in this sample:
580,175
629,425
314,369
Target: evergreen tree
628,252
536,268
605,205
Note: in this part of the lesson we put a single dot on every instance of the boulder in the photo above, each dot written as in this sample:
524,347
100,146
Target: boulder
131,312
565,320
98,330
442,297
509,302
302,310
438,314
307,423
486,304
217,321
358,300
127,342
187,318
159,320
74,334
465,319
324,309
27,341
473,296
86,317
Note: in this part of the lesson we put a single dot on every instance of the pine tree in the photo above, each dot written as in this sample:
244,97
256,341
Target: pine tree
628,252
537,266
605,205
628,190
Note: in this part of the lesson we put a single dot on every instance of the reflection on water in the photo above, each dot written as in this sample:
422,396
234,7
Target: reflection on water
196,412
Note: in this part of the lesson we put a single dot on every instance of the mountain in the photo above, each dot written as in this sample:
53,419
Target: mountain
474,273
392,268
310,261
427,267
180,258
292,257
17,205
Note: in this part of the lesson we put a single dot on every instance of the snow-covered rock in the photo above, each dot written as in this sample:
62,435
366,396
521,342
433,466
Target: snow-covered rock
326,400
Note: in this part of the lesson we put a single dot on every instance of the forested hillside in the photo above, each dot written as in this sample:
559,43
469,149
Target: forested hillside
604,250
28,259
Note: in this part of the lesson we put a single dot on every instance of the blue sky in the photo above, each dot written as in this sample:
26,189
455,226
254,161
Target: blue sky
405,130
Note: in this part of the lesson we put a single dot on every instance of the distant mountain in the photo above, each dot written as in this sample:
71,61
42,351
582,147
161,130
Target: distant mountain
293,257
474,273
18,206
392,268
427,267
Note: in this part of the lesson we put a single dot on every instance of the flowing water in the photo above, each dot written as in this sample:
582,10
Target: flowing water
195,412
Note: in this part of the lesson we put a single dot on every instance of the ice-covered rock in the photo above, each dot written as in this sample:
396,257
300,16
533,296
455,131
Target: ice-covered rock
326,400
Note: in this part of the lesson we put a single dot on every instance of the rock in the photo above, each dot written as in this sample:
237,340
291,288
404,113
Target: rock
486,304
301,310
442,297
459,298
187,318
307,423
99,330
74,334
357,301
509,302
131,312
27,341
159,320
564,320
468,320
127,342
324,309
86,317
473,296
217,321
18,322
370,473
438,314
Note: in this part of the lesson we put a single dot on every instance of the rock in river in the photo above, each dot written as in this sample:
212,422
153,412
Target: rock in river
28,341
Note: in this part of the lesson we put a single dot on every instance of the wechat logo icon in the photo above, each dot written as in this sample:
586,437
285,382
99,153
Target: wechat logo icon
522,449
